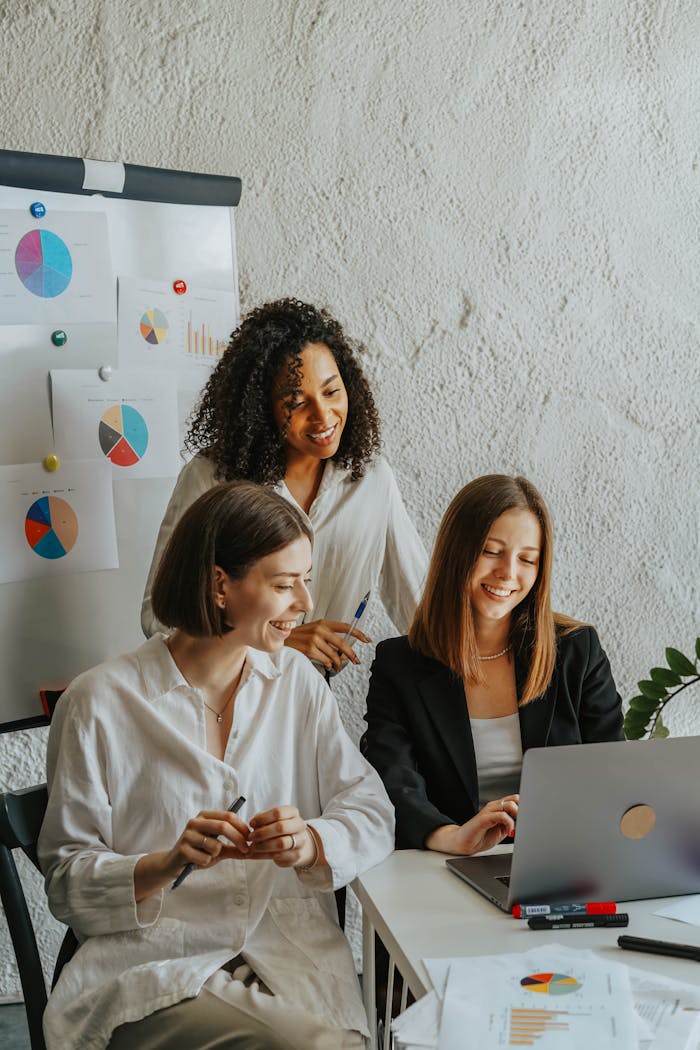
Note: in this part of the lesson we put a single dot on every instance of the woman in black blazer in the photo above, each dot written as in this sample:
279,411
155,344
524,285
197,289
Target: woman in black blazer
486,671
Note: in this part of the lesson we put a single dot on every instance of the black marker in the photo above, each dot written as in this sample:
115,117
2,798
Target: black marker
646,944
233,808
577,922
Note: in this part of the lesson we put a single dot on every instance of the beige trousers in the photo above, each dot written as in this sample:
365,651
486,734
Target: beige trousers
234,1011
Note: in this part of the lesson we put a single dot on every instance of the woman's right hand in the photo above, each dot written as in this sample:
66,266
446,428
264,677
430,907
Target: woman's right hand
323,642
491,824
199,845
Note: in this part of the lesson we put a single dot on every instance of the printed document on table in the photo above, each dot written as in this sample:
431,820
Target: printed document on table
683,909
551,999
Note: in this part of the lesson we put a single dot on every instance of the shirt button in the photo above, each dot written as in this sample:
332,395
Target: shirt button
229,784
239,900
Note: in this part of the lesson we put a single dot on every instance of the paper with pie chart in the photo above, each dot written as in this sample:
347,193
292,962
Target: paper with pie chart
57,523
56,269
184,333
130,421
544,998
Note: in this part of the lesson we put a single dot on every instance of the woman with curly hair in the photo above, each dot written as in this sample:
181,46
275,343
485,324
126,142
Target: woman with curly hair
289,406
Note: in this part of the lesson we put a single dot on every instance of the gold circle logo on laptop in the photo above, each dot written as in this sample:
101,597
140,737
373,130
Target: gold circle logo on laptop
637,821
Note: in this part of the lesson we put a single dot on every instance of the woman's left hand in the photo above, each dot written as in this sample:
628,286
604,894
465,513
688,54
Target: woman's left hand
281,835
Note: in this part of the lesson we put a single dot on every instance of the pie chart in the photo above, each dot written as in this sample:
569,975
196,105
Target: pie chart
123,435
51,527
154,326
43,263
550,983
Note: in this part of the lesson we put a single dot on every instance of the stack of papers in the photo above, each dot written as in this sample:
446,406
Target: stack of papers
549,998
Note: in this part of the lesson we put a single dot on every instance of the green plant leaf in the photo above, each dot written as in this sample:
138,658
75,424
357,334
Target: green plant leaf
635,718
633,730
697,648
661,732
662,676
644,704
652,690
680,663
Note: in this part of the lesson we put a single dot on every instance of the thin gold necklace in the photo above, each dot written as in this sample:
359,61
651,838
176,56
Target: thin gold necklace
495,655
220,714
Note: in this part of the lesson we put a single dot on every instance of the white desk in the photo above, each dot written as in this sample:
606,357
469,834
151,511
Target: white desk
421,910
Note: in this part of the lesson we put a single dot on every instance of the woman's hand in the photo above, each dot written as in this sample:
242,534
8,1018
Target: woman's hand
322,641
281,835
492,823
199,845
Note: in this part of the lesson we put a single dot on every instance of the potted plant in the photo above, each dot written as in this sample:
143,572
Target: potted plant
663,684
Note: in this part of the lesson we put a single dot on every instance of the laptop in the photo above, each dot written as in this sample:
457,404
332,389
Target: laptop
599,822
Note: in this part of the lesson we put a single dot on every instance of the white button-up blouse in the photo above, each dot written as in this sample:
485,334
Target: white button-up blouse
127,768
363,540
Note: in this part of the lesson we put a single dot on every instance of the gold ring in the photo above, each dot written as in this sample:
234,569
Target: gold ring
503,804
204,839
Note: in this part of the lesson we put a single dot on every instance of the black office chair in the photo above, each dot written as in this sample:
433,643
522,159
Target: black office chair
21,816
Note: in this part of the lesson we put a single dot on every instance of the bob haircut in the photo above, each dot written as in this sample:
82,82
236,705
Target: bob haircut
233,525
443,625
234,424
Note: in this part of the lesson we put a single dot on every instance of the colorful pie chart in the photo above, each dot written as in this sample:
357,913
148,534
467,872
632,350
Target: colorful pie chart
43,263
154,326
123,435
550,983
51,527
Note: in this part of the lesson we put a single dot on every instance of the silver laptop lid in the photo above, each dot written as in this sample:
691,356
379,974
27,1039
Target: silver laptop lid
612,821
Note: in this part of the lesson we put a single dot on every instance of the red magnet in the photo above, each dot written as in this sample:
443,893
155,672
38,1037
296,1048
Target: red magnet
179,287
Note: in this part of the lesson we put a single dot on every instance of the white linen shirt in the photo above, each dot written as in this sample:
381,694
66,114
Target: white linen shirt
127,768
363,540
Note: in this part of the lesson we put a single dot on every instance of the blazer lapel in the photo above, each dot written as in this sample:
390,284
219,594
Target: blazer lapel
444,700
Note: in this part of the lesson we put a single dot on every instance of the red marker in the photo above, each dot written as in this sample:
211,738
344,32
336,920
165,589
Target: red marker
525,911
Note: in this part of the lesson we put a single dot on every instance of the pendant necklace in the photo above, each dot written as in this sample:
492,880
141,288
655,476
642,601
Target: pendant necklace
220,714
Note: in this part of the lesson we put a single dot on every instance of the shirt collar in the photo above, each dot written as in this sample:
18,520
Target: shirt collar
161,674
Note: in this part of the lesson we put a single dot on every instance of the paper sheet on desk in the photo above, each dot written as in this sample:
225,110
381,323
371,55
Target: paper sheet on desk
554,998
684,909
667,1011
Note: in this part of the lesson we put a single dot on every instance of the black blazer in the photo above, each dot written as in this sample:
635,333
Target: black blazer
419,737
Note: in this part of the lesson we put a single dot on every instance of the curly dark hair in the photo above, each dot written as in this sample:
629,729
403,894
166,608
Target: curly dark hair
234,423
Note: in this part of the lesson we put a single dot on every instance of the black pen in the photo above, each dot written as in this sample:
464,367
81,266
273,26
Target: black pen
233,808
646,944
577,922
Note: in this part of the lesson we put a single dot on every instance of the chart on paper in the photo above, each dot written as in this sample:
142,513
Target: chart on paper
51,527
57,269
123,435
185,333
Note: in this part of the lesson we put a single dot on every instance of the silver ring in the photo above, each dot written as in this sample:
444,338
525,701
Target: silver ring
204,839
503,804
294,842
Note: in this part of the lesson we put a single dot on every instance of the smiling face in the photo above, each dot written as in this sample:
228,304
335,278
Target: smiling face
264,606
311,420
506,570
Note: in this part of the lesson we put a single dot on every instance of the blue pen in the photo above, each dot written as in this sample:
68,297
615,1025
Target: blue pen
330,672
358,615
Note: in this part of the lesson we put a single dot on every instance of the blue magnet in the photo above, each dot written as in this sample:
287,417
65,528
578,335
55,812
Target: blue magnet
59,337
38,210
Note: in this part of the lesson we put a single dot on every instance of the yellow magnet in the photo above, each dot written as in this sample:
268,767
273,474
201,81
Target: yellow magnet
51,462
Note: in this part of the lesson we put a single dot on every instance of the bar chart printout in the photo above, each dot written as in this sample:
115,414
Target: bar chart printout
539,999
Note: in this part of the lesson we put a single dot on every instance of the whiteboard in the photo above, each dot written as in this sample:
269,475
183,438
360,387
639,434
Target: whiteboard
53,628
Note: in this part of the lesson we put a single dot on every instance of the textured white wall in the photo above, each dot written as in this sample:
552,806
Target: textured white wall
499,197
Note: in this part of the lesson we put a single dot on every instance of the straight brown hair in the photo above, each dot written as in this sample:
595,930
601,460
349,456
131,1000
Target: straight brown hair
233,525
443,624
